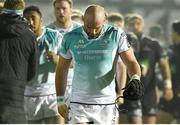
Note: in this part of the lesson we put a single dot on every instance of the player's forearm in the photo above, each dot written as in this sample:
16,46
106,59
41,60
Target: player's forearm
164,64
61,76
131,63
61,83
165,68
134,68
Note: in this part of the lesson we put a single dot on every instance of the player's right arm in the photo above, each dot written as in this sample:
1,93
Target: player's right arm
61,75
61,82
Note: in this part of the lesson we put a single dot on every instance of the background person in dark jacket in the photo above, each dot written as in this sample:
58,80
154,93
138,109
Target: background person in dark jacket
18,54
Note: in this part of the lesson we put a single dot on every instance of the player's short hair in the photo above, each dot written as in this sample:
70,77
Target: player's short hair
131,16
115,17
76,11
155,31
14,4
176,26
69,1
77,14
32,8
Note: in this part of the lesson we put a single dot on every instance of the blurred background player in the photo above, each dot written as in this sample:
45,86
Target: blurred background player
149,53
63,13
156,32
40,93
116,19
64,24
18,61
169,110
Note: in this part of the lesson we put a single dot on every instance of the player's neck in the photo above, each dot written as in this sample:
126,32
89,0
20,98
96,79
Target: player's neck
39,32
65,25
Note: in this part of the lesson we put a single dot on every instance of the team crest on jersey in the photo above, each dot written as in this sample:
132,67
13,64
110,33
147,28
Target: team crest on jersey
80,44
104,42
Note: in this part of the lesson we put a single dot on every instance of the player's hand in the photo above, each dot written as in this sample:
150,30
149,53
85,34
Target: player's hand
53,56
120,101
63,110
134,90
168,94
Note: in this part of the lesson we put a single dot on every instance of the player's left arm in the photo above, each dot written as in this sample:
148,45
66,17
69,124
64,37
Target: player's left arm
134,90
131,62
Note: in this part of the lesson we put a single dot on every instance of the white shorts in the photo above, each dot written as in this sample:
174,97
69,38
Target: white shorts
37,108
96,114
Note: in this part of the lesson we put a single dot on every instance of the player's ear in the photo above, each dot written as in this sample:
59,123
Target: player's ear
41,19
105,16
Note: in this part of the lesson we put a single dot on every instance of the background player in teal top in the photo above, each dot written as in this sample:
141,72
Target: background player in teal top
94,49
64,24
63,12
40,93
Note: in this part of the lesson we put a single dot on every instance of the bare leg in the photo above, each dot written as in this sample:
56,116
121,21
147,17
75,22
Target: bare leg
149,119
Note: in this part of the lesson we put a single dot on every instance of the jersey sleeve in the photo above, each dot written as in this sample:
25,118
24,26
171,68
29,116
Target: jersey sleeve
123,42
64,50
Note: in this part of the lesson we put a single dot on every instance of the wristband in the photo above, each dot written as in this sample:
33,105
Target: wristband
168,83
60,100
135,76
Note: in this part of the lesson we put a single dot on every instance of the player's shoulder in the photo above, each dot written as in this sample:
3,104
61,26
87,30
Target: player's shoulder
52,32
108,28
149,39
76,31
151,42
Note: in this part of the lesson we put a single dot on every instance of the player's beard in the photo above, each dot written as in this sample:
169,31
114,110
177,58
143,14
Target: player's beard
62,20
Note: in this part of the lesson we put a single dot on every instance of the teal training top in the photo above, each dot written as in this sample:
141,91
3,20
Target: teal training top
44,81
94,63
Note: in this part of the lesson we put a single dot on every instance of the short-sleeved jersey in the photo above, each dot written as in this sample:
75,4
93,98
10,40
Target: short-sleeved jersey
94,63
44,81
